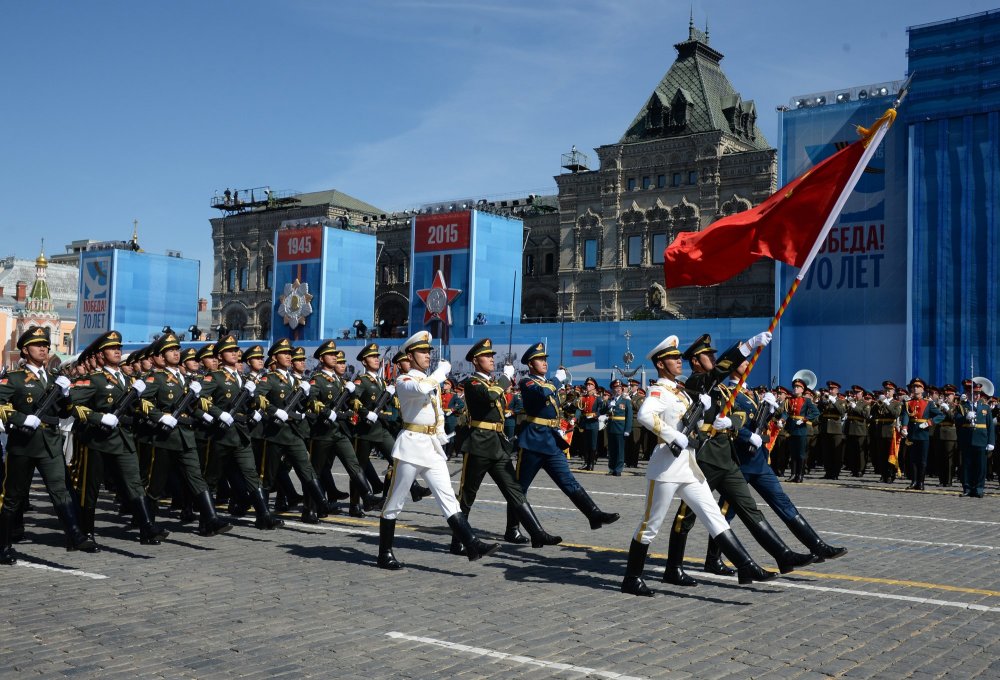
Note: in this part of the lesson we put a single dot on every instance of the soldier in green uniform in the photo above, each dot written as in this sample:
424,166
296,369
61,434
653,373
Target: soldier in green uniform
253,358
330,433
832,411
203,363
34,441
487,450
514,414
175,414
717,460
105,439
276,395
372,430
885,412
231,396
856,430
634,444
451,406
945,442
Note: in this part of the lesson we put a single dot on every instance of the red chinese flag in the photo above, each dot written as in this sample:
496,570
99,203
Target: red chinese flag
784,227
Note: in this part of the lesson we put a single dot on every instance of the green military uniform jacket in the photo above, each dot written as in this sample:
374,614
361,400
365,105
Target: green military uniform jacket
165,391
831,415
274,391
885,416
946,430
486,403
857,419
222,388
98,393
366,395
20,394
326,389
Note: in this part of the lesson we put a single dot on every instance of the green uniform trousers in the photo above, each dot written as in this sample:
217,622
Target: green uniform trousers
89,470
475,466
732,488
18,471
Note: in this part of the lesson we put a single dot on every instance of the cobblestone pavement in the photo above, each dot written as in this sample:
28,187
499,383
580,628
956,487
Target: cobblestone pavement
918,596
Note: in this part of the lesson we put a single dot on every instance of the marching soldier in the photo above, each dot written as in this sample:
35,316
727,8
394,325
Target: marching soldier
716,459
99,404
330,433
674,471
279,395
231,397
176,407
488,450
978,438
541,442
619,412
452,406
918,417
31,398
832,412
513,416
420,450
371,430
855,431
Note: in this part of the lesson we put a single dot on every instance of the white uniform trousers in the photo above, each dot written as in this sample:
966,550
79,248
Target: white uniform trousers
697,495
436,477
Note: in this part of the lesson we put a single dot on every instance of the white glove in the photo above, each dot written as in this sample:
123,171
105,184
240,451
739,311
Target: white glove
250,386
168,420
139,386
799,421
832,399
371,417
195,387
626,433
391,389
964,397
706,401
722,423
226,418
681,440
884,399
759,340
350,386
945,408
282,415
256,417
990,447
64,384
769,398
332,417
444,438
923,426
970,416
755,440
903,431
441,372
207,417
2,428
561,375
305,387
109,420
32,422
602,419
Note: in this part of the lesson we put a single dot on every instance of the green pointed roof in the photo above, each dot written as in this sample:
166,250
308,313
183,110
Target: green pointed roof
696,96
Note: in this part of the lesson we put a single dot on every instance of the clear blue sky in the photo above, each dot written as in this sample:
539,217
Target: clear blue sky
114,111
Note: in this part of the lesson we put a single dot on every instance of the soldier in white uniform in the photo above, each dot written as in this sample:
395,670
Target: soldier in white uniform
419,449
677,473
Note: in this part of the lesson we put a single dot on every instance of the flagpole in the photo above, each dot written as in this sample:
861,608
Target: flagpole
873,137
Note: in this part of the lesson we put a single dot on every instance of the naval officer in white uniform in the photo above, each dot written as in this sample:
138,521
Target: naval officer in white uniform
419,450
674,471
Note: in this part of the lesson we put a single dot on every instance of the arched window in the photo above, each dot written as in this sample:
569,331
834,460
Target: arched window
231,287
244,278
529,265
268,277
550,260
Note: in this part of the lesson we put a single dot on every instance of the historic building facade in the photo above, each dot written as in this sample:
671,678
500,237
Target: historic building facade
594,252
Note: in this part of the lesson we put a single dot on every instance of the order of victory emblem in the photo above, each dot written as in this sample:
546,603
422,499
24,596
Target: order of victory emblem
295,303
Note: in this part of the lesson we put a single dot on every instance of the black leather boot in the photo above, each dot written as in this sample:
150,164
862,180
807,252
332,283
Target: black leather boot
149,532
807,535
264,520
673,573
330,486
581,499
314,494
209,524
356,511
75,539
474,548
363,495
86,523
418,492
7,554
539,536
787,560
747,570
386,532
713,561
633,584
377,486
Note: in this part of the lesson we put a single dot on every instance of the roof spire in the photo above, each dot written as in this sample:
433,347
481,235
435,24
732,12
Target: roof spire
706,29
691,24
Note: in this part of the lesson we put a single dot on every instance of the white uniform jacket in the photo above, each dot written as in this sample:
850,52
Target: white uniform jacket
420,405
661,413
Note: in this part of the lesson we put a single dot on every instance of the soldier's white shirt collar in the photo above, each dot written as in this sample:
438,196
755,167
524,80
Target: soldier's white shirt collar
416,373
666,382
37,370
482,375
536,375
372,374
329,372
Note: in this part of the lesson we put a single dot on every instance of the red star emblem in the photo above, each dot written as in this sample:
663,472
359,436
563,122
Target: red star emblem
437,299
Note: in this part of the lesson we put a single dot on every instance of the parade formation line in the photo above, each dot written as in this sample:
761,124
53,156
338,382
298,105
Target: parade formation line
515,658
